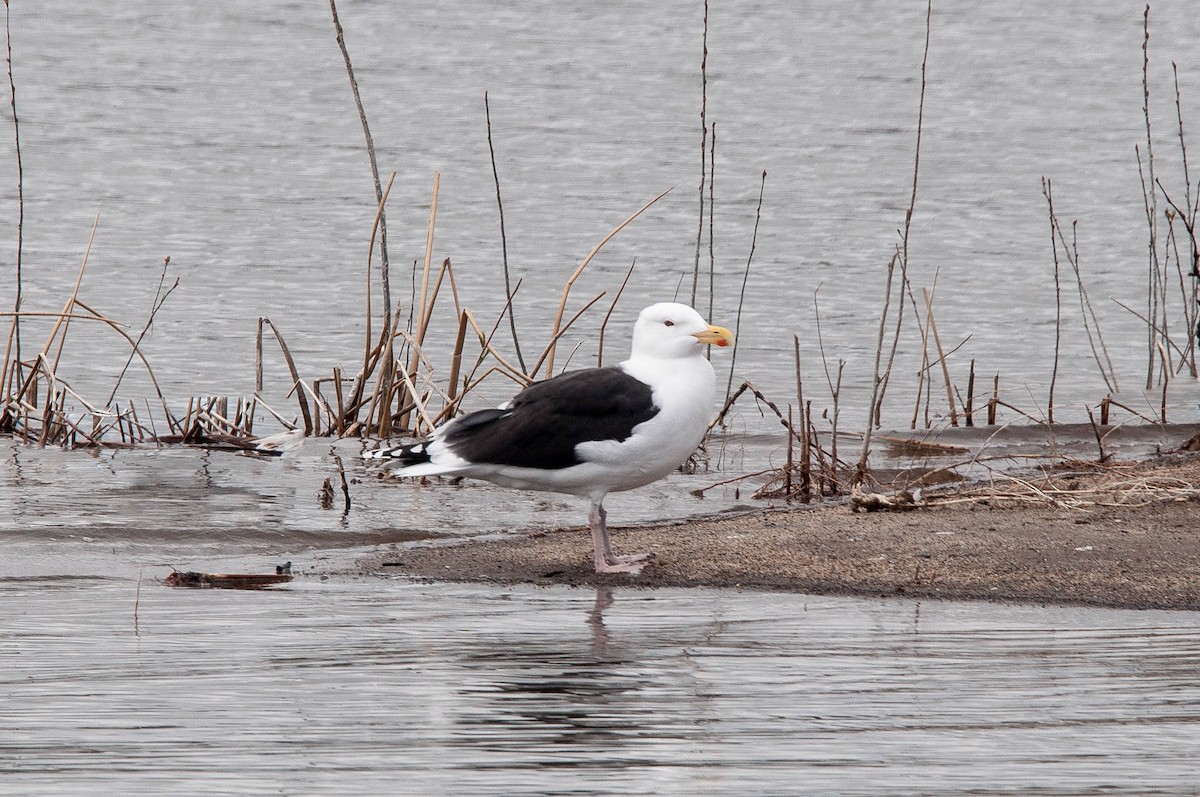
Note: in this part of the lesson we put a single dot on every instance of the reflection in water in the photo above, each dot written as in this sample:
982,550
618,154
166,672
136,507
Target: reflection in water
385,685
604,599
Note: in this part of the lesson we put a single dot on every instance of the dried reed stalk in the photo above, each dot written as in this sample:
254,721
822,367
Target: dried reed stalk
1187,217
63,323
1150,203
160,297
712,205
968,413
424,310
881,380
937,342
703,151
556,332
1071,253
362,117
98,316
387,308
612,306
456,360
835,387
297,383
508,291
737,327
12,348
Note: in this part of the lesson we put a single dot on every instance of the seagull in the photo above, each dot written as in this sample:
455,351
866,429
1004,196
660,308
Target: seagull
592,431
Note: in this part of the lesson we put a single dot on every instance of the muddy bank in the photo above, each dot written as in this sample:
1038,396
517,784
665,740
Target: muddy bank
1122,536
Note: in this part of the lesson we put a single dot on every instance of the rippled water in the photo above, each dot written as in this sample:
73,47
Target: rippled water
390,687
223,135
228,140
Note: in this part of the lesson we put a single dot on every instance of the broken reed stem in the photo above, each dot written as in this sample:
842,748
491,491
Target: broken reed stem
1109,402
362,118
923,375
548,354
512,318
1099,437
806,455
805,422
745,280
345,484
787,469
994,400
297,384
969,416
456,360
486,349
937,342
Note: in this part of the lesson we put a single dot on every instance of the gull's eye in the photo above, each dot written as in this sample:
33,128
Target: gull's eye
669,323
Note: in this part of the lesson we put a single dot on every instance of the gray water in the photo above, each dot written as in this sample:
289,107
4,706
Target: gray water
336,687
224,136
227,139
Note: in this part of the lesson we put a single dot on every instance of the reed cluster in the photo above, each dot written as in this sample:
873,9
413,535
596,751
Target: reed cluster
406,381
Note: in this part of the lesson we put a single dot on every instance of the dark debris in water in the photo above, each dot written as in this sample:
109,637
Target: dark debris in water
194,580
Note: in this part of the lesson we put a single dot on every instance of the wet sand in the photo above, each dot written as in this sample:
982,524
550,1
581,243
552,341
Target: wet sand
1123,535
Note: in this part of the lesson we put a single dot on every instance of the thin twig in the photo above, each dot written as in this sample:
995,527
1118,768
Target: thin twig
703,150
13,347
362,117
612,306
548,354
737,328
880,380
512,317
159,299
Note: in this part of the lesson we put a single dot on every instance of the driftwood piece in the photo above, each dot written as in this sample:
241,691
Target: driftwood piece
194,580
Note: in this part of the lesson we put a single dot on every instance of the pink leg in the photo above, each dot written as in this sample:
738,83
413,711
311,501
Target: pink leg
606,561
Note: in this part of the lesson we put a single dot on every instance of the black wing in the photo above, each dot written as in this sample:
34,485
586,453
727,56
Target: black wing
546,420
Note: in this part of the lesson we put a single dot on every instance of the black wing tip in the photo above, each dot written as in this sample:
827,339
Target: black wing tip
414,454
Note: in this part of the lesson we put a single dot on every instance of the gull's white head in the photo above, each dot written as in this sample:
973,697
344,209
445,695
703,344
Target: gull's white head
669,329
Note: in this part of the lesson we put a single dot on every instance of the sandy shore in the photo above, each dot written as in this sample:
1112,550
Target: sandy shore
1125,535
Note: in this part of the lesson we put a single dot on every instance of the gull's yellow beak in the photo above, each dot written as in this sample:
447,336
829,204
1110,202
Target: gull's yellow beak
715,336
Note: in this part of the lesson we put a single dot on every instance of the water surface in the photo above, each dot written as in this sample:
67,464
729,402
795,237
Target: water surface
224,136
373,686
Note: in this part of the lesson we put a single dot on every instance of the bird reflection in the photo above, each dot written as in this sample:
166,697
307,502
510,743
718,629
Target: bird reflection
604,599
